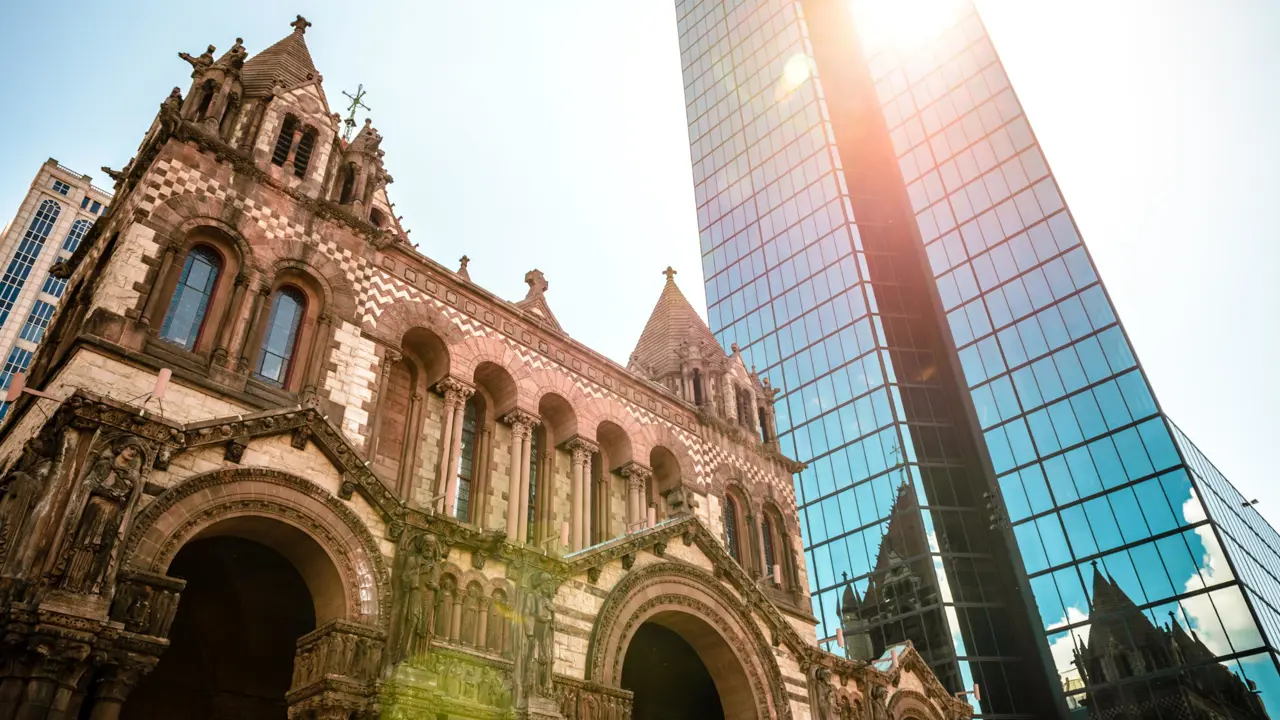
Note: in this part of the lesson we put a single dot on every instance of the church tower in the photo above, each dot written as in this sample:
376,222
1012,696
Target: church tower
272,460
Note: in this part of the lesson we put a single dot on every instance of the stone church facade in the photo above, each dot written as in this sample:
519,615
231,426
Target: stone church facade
278,464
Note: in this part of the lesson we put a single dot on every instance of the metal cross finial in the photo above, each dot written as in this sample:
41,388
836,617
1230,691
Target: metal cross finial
670,273
357,102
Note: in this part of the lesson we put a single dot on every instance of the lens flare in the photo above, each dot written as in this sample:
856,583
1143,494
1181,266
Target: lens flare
904,26
796,71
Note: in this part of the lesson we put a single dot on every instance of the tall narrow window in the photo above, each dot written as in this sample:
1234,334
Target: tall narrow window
467,463
764,425
348,185
731,527
229,116
697,387
766,534
281,336
15,276
285,140
595,527
302,158
535,442
209,89
191,297
76,234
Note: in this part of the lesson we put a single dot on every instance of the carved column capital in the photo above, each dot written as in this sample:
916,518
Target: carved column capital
580,449
242,280
455,391
391,357
634,472
521,422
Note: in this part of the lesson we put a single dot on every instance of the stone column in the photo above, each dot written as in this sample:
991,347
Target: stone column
482,623
522,424
580,452
455,403
409,454
637,476
293,148
389,359
235,310
149,308
455,617
320,344
115,687
259,301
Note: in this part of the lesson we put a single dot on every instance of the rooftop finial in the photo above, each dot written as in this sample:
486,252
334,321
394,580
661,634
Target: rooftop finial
300,25
462,265
670,273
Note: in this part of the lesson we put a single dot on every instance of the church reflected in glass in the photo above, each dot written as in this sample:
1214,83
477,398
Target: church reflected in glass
989,473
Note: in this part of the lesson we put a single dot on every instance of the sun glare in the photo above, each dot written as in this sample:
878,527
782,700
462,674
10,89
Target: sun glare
903,26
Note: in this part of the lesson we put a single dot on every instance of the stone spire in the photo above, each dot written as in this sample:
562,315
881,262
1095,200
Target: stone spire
674,325
288,63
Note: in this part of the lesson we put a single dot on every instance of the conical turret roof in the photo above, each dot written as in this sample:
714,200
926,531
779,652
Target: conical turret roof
288,61
673,324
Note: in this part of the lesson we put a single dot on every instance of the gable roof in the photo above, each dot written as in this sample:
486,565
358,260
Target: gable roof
673,324
288,61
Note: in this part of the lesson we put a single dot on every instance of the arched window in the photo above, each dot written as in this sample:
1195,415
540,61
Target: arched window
191,297
15,276
227,123
281,337
76,234
766,535
697,387
731,527
302,158
348,184
208,90
535,444
467,463
285,140
377,218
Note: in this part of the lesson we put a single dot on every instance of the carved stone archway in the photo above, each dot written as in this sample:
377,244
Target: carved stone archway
705,614
335,556
911,705
328,543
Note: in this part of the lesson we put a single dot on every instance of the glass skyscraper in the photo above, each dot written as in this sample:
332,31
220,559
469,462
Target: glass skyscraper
990,475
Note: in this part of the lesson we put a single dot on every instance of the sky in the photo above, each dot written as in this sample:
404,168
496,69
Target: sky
551,135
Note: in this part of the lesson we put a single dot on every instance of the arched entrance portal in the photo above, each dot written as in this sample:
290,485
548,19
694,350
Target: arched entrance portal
669,680
232,642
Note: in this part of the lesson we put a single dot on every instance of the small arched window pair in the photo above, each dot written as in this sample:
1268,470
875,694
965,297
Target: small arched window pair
284,143
188,313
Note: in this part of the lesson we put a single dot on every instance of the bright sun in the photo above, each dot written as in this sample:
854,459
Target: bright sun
903,26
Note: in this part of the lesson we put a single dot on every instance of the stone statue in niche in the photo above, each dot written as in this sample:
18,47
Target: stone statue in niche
419,581
21,487
824,695
879,703
538,622
111,480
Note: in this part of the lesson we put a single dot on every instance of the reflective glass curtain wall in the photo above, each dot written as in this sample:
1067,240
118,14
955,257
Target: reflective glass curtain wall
1135,597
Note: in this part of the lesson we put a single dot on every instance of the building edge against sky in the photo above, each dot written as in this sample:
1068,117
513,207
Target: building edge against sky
49,224
884,240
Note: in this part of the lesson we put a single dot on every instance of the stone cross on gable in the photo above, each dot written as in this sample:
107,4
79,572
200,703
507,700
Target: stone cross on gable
300,25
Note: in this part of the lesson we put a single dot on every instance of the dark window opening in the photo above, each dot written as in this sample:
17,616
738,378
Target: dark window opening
302,158
284,142
467,463
208,90
348,185
697,387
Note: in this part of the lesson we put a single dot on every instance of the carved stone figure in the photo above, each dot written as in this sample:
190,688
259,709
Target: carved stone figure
879,703
418,586
21,487
111,481
534,661
824,695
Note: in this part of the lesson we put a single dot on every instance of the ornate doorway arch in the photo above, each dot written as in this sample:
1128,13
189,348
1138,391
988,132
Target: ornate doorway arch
285,587
322,538
707,616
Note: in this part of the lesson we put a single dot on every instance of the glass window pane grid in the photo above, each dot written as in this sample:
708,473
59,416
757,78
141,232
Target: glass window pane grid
15,275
